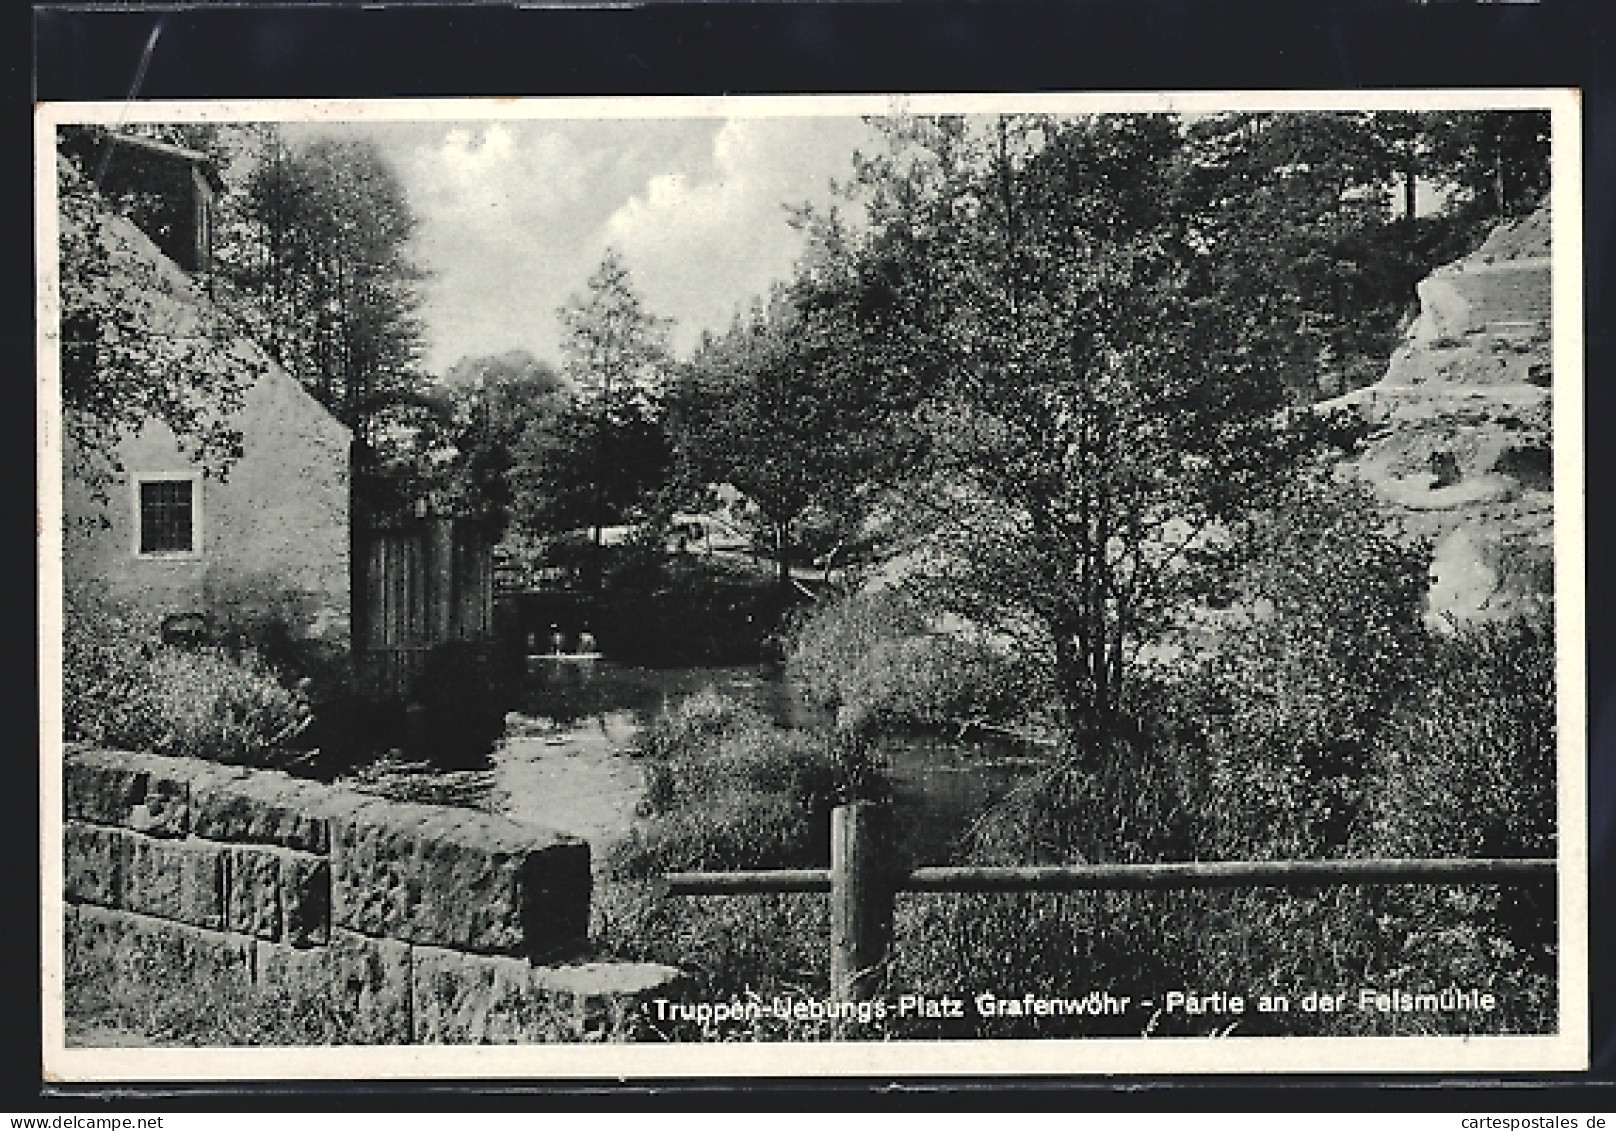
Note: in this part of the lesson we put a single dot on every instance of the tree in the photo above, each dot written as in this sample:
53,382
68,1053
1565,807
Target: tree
607,452
1095,415
138,343
1497,159
788,409
323,270
572,472
481,409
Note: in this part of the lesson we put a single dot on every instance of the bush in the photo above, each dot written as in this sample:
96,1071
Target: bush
1467,766
877,659
122,688
222,707
1293,690
104,657
725,788
732,830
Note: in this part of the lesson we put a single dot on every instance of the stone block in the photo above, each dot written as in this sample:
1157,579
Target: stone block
261,807
362,984
482,999
607,1001
157,953
279,895
100,793
464,998
454,878
179,880
145,792
91,863
167,801
254,904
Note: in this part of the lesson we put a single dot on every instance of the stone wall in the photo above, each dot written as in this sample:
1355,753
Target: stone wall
417,923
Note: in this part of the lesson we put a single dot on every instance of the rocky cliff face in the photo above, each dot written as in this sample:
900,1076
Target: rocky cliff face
1460,446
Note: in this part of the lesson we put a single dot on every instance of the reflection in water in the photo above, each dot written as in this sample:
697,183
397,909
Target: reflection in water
565,764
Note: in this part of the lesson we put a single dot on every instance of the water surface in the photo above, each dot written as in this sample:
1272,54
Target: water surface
565,764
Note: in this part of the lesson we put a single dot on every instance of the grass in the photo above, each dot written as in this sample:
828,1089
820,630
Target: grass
1457,760
157,1008
880,663
1461,765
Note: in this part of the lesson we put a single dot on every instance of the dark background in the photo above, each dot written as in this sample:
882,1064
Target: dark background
65,52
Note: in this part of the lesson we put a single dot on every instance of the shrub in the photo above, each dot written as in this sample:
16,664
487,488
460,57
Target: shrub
104,657
210,704
1467,767
725,788
879,661
122,688
731,830
1293,690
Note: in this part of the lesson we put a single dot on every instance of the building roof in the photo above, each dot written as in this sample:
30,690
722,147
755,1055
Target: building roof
198,160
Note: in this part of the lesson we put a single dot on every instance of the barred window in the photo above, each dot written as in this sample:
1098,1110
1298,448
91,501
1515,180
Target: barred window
167,516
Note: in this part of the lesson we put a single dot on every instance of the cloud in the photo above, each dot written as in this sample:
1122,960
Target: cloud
701,246
514,216
496,205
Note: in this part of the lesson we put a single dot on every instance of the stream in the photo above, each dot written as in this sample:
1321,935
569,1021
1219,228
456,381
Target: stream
564,762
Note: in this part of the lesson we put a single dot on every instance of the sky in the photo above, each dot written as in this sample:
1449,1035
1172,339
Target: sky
515,216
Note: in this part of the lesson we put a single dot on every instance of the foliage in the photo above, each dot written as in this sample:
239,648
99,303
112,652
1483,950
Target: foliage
138,344
1326,720
615,351
1295,681
1318,231
1497,160
319,266
881,663
123,688
482,407
1161,796
605,455
725,788
781,408
1466,767
577,469
1091,414
1183,794
1100,321
735,948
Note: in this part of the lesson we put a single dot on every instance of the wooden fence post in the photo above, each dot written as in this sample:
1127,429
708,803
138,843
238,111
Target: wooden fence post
862,893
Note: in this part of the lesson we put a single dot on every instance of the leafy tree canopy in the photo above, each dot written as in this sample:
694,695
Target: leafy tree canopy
604,457
139,343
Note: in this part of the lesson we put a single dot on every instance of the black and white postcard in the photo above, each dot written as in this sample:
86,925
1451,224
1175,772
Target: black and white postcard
809,585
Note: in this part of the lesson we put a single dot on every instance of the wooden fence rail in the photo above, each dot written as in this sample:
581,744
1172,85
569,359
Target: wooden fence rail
863,884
